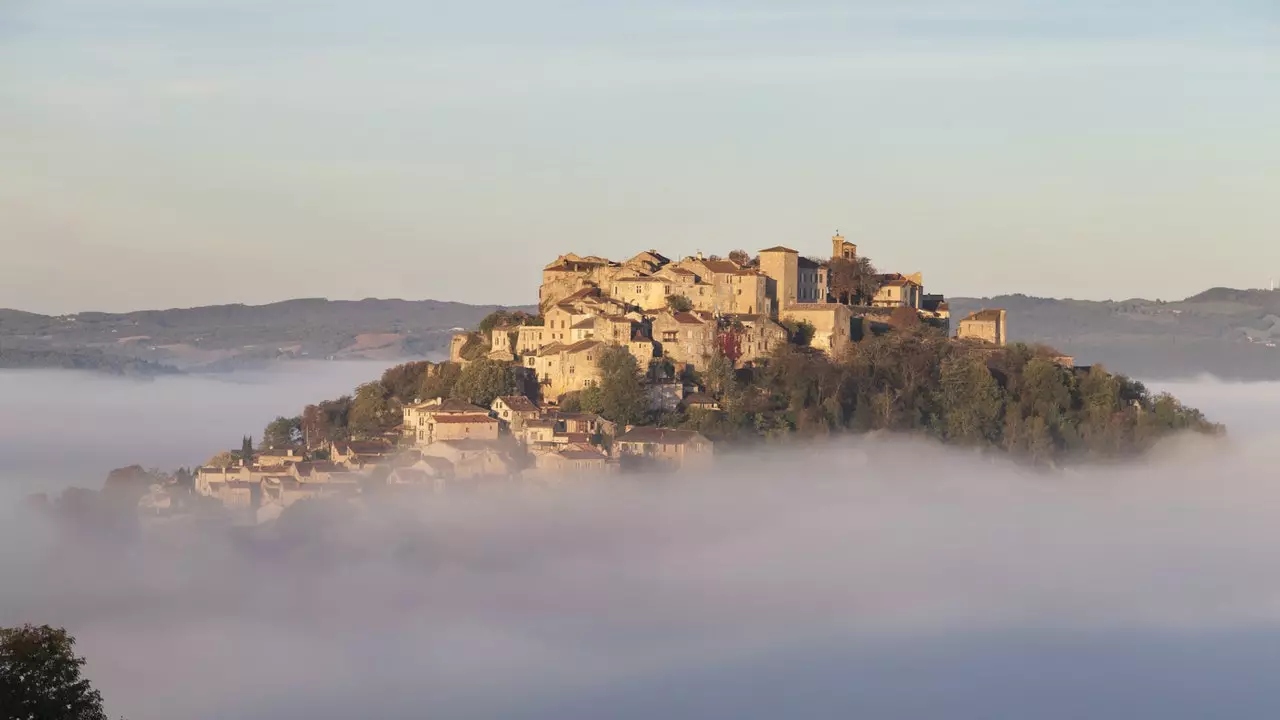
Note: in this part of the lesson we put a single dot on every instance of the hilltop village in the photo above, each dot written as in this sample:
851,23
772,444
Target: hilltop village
540,405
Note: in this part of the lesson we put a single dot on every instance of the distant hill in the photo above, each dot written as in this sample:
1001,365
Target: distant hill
1233,334
227,337
1225,332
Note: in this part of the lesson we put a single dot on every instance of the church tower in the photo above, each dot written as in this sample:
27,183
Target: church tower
841,249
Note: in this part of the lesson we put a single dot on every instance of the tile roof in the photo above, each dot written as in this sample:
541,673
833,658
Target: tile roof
582,346
464,419
985,314
723,267
661,436
519,403
779,248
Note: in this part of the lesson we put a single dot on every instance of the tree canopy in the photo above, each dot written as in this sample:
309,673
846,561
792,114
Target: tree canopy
621,395
282,432
679,303
483,381
40,677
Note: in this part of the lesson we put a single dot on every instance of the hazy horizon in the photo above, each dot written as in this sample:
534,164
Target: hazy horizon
394,148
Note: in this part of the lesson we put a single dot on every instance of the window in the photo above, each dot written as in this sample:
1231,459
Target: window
670,336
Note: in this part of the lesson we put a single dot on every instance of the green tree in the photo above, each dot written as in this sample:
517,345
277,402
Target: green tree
719,374
282,432
371,410
439,382
246,450
679,303
402,382
969,400
799,333
622,393
40,677
483,381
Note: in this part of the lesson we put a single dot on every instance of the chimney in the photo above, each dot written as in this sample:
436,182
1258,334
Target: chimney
699,254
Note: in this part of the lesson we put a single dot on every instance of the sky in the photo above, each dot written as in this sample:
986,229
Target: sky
166,153
890,577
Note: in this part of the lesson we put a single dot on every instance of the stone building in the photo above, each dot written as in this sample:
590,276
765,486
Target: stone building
662,448
900,291
686,337
986,325
781,267
832,325
450,419
564,368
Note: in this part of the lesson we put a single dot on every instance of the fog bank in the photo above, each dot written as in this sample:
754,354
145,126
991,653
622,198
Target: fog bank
877,577
61,428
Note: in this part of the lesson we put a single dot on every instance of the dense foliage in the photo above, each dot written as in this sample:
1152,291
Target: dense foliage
1016,399
40,677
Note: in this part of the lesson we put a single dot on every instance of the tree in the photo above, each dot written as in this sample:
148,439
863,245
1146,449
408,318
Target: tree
853,282
719,374
483,381
800,333
679,303
40,677
402,382
969,400
622,394
224,459
371,410
904,318
439,382
282,432
326,421
741,257
246,450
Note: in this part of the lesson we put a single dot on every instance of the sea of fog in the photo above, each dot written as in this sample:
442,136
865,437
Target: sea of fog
60,428
868,578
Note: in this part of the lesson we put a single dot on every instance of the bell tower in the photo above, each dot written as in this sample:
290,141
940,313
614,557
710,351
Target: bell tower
841,249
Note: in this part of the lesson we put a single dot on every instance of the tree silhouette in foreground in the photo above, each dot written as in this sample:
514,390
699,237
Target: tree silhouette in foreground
40,677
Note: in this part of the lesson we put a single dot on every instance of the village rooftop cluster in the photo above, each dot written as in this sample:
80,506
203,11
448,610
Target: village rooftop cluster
672,316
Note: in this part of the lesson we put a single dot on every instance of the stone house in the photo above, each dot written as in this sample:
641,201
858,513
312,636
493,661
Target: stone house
572,461
733,288
811,281
832,324
686,337
359,452
566,368
989,326
538,432
586,423
646,293
900,291
646,447
449,419
758,336
513,411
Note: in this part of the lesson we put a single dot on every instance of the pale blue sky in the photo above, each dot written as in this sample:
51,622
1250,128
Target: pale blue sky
162,153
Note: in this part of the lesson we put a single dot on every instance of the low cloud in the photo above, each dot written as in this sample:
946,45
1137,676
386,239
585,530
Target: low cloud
872,577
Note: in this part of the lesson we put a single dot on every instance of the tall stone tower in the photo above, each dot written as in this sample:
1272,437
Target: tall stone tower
842,249
782,266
